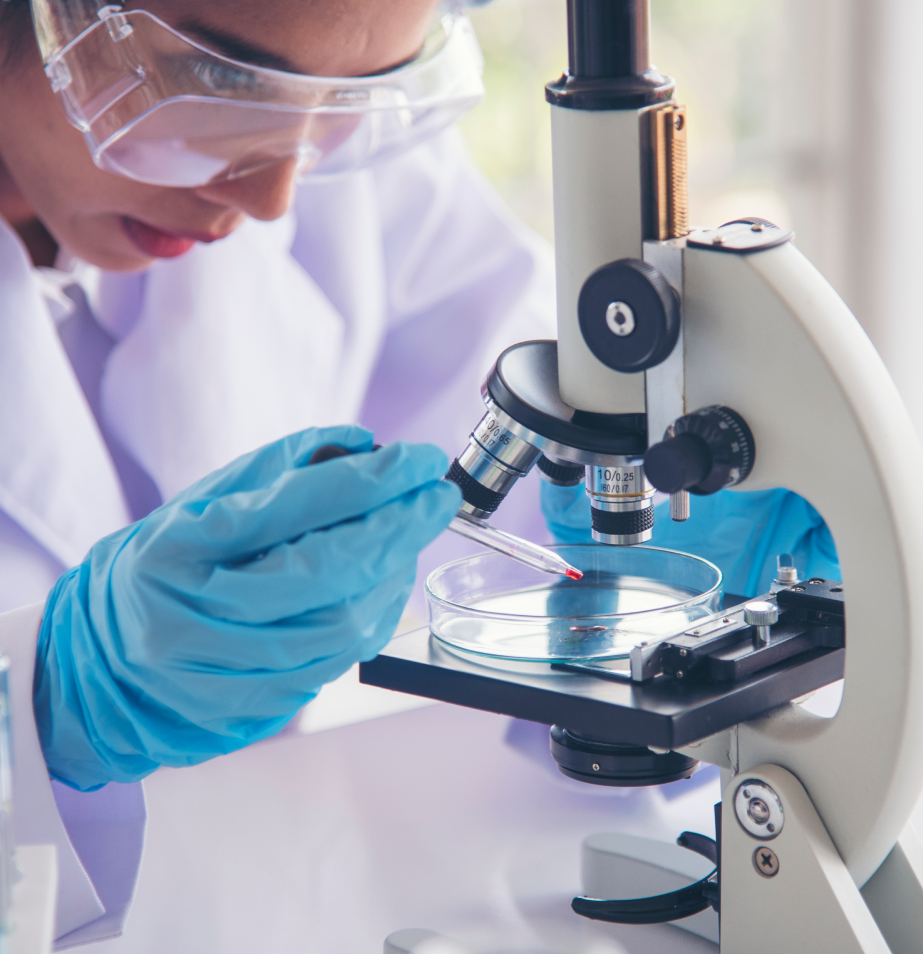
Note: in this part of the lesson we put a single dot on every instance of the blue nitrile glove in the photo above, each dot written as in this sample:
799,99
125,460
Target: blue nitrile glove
740,531
209,623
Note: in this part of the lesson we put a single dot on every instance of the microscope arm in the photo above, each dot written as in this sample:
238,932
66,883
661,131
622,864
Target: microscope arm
766,335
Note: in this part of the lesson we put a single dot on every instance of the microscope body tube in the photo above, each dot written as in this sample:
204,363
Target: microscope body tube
603,204
611,123
601,142
599,178
598,218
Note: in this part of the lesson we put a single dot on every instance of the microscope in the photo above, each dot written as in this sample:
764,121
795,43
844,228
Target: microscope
687,362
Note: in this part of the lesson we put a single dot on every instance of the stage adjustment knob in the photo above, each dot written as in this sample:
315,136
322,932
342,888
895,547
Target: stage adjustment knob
761,614
702,452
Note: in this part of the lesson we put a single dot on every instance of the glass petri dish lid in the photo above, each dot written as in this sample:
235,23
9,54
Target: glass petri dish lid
494,606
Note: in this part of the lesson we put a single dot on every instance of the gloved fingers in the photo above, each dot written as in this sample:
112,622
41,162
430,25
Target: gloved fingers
317,647
325,567
241,525
187,666
145,681
567,512
196,712
261,467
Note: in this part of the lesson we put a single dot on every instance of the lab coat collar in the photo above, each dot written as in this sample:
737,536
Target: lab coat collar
233,345
57,480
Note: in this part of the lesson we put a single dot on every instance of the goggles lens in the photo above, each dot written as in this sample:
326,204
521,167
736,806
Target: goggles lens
157,107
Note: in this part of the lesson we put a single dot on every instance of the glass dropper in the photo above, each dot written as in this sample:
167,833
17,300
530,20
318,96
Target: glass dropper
531,554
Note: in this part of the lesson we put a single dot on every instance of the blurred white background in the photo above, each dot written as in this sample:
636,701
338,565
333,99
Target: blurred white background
804,112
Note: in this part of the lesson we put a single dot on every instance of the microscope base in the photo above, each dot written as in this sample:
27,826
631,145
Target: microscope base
810,903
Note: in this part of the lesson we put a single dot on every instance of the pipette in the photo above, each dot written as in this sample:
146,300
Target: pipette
531,554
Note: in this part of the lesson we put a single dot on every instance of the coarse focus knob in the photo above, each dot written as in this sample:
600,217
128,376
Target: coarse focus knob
708,450
629,315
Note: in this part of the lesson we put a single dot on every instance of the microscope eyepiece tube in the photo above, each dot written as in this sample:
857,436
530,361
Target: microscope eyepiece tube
622,502
608,38
495,458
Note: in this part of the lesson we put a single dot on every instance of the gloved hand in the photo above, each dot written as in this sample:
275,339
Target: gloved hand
209,623
567,512
740,531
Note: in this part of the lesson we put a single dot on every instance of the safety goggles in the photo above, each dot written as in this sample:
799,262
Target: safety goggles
157,107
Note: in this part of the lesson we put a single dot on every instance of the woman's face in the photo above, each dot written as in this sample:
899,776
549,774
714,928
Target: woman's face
120,224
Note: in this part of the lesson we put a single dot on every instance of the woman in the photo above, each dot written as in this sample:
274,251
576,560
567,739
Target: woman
171,300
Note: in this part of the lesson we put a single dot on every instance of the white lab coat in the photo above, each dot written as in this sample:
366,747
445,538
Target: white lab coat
382,297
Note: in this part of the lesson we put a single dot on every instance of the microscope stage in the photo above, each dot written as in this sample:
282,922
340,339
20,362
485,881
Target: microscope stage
662,712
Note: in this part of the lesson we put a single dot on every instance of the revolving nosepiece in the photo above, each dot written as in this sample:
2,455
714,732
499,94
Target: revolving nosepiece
622,502
495,458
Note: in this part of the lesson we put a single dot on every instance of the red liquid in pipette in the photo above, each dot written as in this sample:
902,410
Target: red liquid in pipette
573,574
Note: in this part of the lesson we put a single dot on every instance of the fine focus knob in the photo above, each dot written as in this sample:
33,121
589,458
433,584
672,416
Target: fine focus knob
709,450
629,315
678,463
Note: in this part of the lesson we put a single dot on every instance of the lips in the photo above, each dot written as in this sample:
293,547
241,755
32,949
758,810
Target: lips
159,243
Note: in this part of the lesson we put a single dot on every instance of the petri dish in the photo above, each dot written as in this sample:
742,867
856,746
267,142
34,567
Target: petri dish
494,606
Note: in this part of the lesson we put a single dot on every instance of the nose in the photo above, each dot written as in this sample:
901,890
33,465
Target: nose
265,194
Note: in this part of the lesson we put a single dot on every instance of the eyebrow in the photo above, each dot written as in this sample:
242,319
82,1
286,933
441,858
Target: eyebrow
235,47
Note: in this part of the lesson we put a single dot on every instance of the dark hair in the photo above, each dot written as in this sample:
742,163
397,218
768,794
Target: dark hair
13,15
15,30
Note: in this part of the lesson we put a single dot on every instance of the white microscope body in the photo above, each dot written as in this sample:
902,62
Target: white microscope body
816,850
765,334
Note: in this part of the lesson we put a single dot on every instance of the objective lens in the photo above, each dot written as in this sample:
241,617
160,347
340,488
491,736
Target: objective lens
561,473
622,501
493,461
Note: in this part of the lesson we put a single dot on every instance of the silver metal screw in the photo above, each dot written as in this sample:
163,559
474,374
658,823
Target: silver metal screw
620,318
761,614
758,809
595,766
766,862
